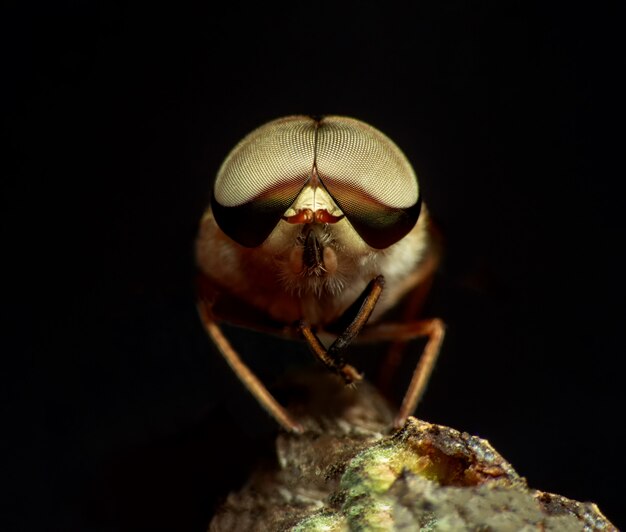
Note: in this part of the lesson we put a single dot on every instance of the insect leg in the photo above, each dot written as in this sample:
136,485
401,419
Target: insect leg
395,353
420,281
332,357
375,289
335,362
249,379
434,330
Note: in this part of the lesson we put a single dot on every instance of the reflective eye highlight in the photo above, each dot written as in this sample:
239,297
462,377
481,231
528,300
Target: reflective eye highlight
366,174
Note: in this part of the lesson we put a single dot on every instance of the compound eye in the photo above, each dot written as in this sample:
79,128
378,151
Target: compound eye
369,178
261,178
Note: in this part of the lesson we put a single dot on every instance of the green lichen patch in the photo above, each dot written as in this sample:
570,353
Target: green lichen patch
322,522
369,476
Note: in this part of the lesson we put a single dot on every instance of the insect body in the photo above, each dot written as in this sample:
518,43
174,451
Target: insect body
308,218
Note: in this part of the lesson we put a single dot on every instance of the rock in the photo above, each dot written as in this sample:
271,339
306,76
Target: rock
347,473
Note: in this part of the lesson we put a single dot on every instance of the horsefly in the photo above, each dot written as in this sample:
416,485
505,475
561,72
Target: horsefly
315,223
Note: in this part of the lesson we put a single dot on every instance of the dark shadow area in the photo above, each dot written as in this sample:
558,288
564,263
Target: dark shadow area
119,415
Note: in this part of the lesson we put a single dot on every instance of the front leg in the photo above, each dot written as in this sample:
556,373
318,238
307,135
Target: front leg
432,329
332,357
333,361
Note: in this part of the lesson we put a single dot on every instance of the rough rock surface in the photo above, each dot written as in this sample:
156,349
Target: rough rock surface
347,473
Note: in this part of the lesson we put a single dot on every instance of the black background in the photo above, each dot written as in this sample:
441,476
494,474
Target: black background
119,416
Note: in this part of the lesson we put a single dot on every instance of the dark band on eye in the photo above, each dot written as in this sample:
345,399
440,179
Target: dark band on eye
380,226
249,224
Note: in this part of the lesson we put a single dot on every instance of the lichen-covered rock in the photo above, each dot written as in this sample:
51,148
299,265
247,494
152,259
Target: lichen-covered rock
345,473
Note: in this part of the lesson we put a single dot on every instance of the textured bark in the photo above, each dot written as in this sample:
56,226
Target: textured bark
349,472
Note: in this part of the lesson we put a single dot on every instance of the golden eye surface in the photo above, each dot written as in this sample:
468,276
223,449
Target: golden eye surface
261,178
369,178
366,174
